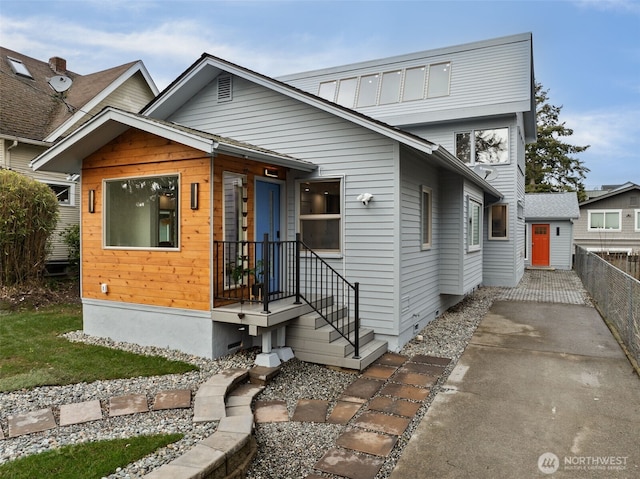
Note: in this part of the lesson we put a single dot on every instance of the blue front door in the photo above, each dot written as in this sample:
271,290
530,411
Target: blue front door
268,221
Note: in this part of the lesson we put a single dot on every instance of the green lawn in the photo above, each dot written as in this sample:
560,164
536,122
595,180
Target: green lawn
86,461
32,353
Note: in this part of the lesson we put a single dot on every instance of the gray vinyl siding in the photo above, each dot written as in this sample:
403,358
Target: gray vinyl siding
626,239
18,160
419,268
490,77
503,260
364,160
452,233
560,243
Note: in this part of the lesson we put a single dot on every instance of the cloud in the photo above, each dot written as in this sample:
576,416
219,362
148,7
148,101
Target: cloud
614,136
621,6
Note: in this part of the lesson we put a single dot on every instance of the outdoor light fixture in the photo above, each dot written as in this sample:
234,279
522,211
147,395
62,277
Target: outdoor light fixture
194,196
271,172
92,201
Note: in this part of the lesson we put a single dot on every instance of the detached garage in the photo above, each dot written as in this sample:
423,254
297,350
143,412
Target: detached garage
549,229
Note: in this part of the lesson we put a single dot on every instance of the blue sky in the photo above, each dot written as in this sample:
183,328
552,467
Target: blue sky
586,52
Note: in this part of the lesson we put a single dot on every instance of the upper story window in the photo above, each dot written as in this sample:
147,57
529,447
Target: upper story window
474,233
414,81
347,92
489,146
320,214
19,68
604,220
391,83
368,90
439,78
141,212
389,87
637,216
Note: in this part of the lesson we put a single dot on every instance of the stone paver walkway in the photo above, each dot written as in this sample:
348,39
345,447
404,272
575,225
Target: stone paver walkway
376,408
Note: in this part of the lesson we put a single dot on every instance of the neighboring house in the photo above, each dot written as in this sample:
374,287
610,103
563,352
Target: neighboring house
549,221
177,200
610,222
41,102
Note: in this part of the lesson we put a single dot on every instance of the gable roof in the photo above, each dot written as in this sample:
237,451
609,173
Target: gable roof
628,186
208,67
551,206
66,156
31,110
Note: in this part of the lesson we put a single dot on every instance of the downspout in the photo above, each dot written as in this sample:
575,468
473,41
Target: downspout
8,158
212,261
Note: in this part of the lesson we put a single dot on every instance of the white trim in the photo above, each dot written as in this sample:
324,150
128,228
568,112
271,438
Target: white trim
637,219
72,190
334,253
426,245
100,97
472,247
604,212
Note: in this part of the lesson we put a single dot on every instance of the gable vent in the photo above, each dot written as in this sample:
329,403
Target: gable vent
224,88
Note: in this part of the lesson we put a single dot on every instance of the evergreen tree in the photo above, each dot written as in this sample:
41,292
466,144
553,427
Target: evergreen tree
549,166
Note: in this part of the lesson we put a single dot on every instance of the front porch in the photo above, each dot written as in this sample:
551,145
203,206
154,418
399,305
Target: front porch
283,288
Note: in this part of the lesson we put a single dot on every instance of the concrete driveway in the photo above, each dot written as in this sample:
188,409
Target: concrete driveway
542,390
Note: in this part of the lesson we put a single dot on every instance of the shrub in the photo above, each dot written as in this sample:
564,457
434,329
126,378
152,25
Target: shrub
28,216
71,237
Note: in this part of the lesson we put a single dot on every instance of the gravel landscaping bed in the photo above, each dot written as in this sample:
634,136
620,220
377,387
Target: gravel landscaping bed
285,450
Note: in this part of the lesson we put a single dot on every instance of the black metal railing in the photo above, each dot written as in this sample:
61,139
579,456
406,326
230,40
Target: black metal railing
266,271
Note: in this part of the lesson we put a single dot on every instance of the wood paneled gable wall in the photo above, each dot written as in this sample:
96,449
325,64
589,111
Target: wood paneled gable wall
179,278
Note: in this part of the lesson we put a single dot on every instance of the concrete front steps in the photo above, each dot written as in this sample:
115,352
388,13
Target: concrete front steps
315,341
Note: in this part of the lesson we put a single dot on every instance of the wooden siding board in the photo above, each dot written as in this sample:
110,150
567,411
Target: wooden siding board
179,279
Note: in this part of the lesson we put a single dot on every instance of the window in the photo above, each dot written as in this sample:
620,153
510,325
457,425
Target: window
637,216
488,146
426,207
19,68
327,90
414,84
498,222
142,212
474,233
64,192
320,218
604,220
347,92
390,92
368,90
439,76
233,226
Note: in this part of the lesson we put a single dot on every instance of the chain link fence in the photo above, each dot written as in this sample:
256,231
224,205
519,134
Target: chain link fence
617,295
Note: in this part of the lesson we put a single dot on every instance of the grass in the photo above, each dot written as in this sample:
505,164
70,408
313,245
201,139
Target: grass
33,353
86,461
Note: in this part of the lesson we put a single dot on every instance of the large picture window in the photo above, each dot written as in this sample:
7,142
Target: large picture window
604,220
142,212
483,146
474,233
320,214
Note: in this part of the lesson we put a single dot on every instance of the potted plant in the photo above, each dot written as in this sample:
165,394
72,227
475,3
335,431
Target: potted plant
258,277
